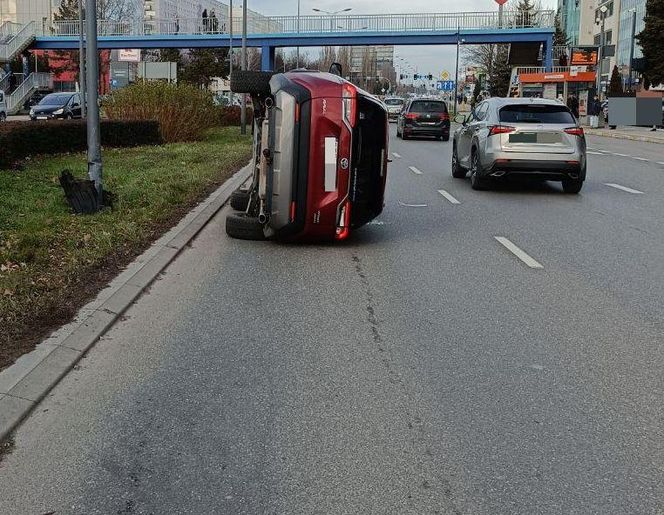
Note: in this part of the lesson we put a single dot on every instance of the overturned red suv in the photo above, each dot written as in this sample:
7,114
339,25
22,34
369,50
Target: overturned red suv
320,157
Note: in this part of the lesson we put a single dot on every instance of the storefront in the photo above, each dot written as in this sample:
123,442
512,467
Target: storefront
560,85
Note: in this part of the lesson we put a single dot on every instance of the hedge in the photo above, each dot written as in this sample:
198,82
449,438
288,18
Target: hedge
229,116
19,140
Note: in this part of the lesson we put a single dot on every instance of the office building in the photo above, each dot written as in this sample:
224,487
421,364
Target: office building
631,23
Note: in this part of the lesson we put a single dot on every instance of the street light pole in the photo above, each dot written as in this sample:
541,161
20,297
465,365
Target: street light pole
631,50
298,33
332,14
95,167
456,74
230,44
81,59
243,58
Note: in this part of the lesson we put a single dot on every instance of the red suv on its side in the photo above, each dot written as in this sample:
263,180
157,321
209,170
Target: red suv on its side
320,157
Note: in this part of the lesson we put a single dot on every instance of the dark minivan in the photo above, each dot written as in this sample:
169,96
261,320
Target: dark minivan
57,105
424,117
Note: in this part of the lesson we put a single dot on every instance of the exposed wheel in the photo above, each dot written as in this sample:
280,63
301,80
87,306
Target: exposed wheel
239,200
252,82
398,133
457,171
403,136
3,117
446,137
244,227
476,182
572,185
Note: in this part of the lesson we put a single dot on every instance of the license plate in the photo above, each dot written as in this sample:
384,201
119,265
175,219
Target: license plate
42,118
523,137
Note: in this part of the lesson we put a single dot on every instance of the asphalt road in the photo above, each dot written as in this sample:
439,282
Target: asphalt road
423,367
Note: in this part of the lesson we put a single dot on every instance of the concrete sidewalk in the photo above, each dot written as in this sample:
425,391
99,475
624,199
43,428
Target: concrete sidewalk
630,133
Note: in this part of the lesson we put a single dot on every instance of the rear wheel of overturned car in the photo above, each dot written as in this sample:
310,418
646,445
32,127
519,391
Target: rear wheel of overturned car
252,82
244,227
572,185
457,171
240,200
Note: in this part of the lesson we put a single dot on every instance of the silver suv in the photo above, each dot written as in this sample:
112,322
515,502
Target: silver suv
516,136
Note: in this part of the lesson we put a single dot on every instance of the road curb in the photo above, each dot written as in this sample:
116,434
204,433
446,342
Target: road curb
24,384
611,134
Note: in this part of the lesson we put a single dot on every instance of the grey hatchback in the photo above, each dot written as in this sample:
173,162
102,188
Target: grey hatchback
516,136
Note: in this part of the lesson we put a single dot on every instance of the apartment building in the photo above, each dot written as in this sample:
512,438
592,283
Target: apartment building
25,11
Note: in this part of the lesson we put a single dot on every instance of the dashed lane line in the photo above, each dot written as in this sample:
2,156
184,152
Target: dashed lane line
415,170
398,156
640,158
528,260
449,197
623,188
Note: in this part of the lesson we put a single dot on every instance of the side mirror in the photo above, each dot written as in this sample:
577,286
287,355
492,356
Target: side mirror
460,118
336,69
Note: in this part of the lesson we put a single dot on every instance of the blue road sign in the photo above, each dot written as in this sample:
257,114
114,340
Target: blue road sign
445,85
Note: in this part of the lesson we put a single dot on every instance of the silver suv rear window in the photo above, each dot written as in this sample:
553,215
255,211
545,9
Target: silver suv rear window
536,113
393,101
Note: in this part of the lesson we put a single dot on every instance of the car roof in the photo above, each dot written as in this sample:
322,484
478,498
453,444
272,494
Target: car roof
500,101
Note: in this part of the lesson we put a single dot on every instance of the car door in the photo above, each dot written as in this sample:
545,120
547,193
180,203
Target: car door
478,123
465,138
404,110
76,106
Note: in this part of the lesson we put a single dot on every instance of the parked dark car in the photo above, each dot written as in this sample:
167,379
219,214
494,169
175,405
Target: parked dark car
424,117
33,101
57,105
320,161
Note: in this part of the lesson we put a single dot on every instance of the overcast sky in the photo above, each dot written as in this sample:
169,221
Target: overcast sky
426,59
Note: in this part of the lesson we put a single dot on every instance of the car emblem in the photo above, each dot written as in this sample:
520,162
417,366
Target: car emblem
344,164
428,116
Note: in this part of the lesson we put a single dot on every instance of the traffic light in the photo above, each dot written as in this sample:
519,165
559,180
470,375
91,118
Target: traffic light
402,77
416,76
430,77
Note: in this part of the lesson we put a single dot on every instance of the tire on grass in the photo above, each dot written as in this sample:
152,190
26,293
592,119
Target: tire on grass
252,82
240,200
243,227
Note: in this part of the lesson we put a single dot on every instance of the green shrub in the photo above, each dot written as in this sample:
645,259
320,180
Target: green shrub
230,116
19,140
184,112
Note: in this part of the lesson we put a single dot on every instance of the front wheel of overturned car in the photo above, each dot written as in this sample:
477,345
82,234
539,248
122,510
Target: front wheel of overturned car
572,185
240,200
252,82
244,227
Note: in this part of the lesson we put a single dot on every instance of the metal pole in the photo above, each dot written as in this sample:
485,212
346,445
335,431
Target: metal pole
500,16
631,50
95,168
298,33
243,58
230,46
81,59
456,74
600,56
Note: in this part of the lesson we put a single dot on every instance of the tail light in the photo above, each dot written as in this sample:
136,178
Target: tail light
575,131
444,116
500,129
350,104
410,116
343,227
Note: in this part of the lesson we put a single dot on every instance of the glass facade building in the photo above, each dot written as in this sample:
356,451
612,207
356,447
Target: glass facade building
625,36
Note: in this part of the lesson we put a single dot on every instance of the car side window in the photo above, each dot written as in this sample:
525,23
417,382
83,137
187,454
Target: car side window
480,113
2,97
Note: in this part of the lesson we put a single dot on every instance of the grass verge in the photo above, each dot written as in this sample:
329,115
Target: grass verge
52,262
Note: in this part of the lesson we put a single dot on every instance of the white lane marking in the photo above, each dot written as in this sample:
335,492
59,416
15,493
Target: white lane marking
449,197
621,155
641,159
412,205
415,170
398,156
594,153
660,162
532,263
623,188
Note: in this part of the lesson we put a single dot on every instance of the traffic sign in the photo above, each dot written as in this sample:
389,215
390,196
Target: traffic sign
445,75
445,85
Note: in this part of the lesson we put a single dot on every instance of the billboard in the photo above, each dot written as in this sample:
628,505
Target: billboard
584,55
